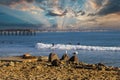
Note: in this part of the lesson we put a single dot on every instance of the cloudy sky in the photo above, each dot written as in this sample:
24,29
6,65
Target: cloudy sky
67,14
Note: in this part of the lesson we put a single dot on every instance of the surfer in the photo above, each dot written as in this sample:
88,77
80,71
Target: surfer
53,44
78,43
69,43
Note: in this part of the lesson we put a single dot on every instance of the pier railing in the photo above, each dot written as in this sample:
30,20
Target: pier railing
16,32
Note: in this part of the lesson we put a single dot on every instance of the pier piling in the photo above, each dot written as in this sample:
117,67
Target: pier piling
15,32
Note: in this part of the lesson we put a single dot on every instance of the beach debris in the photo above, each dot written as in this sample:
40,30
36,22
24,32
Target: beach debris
74,58
52,56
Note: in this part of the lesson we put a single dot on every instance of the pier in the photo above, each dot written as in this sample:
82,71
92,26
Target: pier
16,32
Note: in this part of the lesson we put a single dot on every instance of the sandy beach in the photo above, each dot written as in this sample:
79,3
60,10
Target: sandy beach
16,68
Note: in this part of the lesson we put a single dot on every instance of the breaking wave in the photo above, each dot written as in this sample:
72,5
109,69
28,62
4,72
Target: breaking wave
75,47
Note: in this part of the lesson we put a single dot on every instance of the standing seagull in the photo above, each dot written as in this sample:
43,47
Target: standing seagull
66,52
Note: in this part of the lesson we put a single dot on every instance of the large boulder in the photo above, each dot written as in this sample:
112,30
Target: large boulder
65,57
52,56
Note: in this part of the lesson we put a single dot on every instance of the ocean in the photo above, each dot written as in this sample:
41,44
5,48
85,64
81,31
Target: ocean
92,47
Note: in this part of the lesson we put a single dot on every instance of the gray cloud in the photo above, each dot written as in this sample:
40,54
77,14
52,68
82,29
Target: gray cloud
113,6
9,2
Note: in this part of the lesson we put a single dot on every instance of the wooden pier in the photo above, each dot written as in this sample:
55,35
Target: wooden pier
16,32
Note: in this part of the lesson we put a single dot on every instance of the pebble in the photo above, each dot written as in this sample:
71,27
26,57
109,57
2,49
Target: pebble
11,64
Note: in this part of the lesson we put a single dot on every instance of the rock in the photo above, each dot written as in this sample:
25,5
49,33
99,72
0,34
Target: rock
115,68
26,55
11,64
65,57
43,58
37,67
74,59
4,66
56,62
52,56
109,68
89,66
28,58
101,66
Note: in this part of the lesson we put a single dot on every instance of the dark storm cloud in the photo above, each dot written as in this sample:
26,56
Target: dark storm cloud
113,6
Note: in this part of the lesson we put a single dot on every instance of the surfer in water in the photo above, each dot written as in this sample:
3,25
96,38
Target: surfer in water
78,43
53,44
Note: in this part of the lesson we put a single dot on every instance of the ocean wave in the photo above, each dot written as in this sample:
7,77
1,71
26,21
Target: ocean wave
75,47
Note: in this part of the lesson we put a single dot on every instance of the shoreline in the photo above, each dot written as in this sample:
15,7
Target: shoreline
39,68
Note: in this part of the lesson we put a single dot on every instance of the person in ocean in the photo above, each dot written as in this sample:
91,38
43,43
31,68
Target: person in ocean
78,43
53,44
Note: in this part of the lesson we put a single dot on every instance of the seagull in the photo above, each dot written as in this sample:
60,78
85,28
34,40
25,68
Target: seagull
66,52
76,52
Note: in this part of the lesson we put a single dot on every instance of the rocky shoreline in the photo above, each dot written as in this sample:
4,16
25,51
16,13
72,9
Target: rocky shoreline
29,67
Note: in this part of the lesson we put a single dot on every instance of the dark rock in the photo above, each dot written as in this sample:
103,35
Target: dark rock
79,66
74,59
26,55
52,56
89,66
10,64
56,62
101,66
65,57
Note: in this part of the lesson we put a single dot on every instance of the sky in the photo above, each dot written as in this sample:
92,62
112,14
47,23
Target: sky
62,14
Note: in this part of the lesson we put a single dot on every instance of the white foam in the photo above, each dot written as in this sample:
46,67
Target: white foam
75,47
